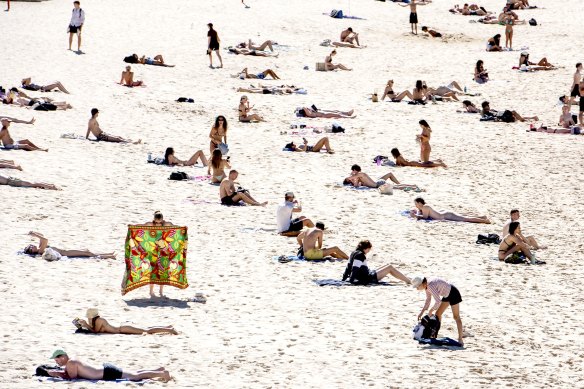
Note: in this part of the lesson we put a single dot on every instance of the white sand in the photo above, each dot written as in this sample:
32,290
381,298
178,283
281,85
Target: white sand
266,324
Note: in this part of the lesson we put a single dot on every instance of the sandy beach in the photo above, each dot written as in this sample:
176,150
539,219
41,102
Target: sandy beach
267,324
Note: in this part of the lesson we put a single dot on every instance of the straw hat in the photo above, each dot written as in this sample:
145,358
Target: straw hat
417,281
91,313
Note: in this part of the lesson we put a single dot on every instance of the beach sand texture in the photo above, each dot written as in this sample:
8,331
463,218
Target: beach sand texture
266,324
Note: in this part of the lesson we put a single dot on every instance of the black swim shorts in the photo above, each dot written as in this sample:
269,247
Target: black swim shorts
454,297
213,46
581,104
295,225
575,91
111,372
228,200
74,29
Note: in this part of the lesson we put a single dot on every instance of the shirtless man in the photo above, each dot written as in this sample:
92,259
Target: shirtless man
349,36
25,184
76,369
9,143
358,178
28,85
426,212
229,196
413,13
401,161
575,88
324,113
311,242
529,240
128,78
93,127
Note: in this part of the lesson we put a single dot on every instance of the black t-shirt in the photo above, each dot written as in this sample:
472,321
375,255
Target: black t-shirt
213,35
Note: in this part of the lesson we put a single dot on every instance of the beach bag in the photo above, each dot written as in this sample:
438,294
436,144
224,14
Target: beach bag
223,148
515,258
431,327
337,14
300,252
178,176
41,370
532,22
386,189
51,255
337,128
487,239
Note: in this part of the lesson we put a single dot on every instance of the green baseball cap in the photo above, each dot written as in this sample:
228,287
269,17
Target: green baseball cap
57,353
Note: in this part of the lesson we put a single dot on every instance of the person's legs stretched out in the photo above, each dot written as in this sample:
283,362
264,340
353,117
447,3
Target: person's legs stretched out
324,142
334,252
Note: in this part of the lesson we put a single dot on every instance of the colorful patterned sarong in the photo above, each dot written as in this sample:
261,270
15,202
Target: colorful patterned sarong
155,255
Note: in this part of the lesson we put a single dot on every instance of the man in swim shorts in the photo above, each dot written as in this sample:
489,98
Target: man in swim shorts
311,242
76,369
229,196
10,144
93,127
284,221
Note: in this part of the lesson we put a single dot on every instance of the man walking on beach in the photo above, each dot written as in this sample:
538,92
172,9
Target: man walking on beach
77,20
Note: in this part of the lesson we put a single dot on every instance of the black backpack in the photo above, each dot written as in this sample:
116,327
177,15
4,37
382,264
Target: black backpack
532,22
487,239
178,176
337,128
41,370
431,327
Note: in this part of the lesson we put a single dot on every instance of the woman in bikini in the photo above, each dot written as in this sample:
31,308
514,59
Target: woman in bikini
244,115
512,244
543,63
44,245
424,139
329,65
218,133
426,212
171,160
480,74
395,97
508,20
419,93
100,326
323,142
217,166
401,161
469,107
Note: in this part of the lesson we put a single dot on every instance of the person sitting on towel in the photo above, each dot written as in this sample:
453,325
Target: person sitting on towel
284,221
358,271
311,242
229,196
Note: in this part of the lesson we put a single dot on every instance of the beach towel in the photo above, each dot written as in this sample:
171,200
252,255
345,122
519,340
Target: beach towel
296,258
155,255
440,342
334,282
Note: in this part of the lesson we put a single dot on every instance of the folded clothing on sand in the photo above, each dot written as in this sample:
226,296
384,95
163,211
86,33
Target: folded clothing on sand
155,255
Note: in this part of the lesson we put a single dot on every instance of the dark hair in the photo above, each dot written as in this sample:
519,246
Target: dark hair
578,64
350,29
419,84
158,215
484,104
216,158
94,111
512,227
420,200
290,145
513,211
357,168
424,123
210,25
233,171
395,152
28,249
467,103
76,2
319,225
497,39
216,125
479,64
424,281
424,28
169,151
364,245
346,182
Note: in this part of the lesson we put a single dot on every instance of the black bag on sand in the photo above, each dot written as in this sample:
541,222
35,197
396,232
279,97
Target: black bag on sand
337,128
178,176
488,239
41,370
431,327
532,22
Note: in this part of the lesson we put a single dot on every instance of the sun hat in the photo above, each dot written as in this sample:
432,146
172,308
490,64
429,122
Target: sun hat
417,281
57,353
524,53
92,312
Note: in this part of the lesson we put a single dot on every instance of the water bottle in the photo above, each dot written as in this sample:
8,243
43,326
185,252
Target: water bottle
149,157
378,161
465,89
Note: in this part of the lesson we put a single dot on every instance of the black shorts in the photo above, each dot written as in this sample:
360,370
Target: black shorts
413,17
454,297
74,29
373,277
228,200
575,91
295,225
581,104
111,372
213,46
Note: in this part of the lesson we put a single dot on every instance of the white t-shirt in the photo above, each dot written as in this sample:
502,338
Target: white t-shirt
284,216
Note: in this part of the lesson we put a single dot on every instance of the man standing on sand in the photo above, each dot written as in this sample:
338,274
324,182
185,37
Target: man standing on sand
93,127
284,221
575,88
77,20
529,240
213,45
413,13
311,242
229,196
75,369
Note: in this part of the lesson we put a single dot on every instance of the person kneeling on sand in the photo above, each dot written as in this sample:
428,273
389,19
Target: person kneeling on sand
358,272
513,243
76,369
285,223
99,325
426,212
55,253
401,161
229,196
323,142
445,295
93,127
10,181
528,240
358,179
311,242
128,78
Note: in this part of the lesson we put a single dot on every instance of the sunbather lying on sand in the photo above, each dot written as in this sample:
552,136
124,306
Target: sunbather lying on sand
432,33
426,212
255,53
98,324
28,85
323,142
171,160
250,46
8,164
469,107
273,90
25,184
44,245
358,179
506,116
469,10
158,60
312,112
401,161
542,64
268,72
